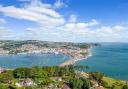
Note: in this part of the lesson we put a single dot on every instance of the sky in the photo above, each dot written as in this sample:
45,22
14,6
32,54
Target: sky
64,20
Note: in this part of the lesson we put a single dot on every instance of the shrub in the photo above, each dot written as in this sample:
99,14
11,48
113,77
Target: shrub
125,87
6,77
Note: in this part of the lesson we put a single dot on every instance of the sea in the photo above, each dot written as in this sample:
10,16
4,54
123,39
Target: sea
29,60
109,58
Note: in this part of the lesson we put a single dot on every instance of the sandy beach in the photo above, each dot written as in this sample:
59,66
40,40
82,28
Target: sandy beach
74,59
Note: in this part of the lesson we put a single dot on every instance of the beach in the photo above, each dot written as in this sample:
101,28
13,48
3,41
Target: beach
74,59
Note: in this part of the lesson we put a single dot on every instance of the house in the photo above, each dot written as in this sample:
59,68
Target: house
25,82
96,85
2,70
57,79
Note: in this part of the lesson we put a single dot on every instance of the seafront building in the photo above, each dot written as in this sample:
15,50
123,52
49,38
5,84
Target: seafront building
75,53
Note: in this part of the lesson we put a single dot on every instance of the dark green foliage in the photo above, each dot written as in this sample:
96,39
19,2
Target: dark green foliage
5,86
125,87
2,86
76,83
43,81
6,77
41,72
86,84
56,71
71,69
11,87
43,76
38,72
97,76
22,73
105,84
84,46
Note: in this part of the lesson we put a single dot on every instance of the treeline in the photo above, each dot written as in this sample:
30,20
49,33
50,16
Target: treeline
42,72
40,75
44,76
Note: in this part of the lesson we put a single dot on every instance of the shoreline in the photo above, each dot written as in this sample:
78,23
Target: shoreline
72,60
75,55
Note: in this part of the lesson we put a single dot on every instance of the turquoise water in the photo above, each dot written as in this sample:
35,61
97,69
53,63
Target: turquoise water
110,58
14,61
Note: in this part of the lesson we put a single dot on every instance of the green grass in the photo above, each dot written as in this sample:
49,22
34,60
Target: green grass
112,83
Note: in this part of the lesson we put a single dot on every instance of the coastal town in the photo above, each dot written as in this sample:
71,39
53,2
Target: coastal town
75,51
64,76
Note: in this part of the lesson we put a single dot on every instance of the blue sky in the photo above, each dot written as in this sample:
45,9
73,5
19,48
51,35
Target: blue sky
64,20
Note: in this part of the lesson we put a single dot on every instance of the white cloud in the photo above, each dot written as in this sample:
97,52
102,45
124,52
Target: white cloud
74,25
5,33
53,26
73,19
2,21
59,4
72,32
36,12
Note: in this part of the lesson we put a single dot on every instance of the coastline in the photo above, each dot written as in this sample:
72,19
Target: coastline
72,60
75,53
74,57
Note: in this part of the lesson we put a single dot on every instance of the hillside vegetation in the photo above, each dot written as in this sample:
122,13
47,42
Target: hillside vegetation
54,77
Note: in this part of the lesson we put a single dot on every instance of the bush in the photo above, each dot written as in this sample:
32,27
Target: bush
97,76
86,84
125,87
22,73
43,81
6,77
75,83
2,86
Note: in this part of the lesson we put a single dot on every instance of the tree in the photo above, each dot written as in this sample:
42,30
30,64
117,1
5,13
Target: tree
42,81
6,77
125,87
2,86
86,84
97,76
22,73
79,83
